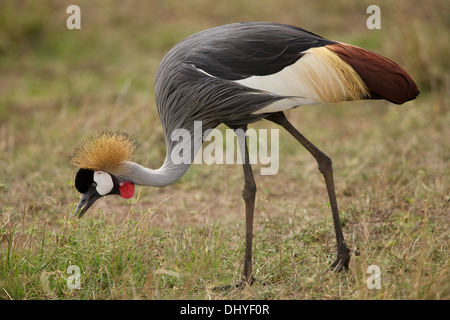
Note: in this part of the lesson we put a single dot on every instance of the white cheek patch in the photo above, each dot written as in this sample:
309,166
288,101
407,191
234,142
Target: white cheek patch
104,182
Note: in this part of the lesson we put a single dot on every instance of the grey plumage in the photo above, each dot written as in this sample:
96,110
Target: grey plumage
194,81
240,50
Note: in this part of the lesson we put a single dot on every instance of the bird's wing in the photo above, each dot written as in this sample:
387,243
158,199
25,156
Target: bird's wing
241,50
281,60
238,73
241,71
289,61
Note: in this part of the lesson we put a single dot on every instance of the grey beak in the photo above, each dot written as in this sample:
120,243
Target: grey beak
86,202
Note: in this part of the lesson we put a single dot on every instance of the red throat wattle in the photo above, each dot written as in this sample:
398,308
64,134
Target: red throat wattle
126,190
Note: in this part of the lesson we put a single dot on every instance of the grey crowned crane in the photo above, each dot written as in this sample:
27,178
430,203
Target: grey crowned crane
237,74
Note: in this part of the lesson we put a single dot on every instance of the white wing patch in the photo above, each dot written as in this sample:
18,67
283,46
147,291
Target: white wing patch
319,76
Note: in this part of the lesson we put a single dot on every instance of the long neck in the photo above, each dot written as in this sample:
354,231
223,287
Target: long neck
166,175
182,146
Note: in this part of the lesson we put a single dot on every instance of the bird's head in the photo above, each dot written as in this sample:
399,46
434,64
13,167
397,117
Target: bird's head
102,162
95,184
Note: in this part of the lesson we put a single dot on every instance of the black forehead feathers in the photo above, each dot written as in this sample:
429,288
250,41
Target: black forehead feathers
83,180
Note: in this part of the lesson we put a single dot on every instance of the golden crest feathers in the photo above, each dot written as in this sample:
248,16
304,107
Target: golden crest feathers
105,152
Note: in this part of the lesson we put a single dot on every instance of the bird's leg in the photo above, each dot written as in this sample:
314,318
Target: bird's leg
249,195
325,167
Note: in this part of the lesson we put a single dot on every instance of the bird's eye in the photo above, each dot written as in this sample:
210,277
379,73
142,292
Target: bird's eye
94,184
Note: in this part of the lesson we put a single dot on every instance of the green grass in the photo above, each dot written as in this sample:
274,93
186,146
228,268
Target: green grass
391,163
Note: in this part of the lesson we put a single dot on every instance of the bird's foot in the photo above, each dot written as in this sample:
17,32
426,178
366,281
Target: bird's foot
343,258
240,285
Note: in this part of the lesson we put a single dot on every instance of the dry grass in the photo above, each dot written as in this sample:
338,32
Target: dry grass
391,162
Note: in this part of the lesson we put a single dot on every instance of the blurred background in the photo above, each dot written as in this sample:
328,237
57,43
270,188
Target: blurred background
58,86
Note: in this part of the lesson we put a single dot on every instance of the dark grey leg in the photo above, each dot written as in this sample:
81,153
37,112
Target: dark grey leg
325,167
249,196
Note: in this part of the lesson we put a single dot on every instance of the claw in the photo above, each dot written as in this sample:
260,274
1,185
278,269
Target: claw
343,258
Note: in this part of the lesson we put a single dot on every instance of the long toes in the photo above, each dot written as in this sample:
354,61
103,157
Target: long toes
339,264
343,258
343,264
334,264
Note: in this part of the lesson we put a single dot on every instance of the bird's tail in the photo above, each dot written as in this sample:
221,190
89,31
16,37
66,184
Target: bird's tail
384,78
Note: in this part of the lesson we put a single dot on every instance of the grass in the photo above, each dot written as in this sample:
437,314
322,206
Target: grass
391,163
